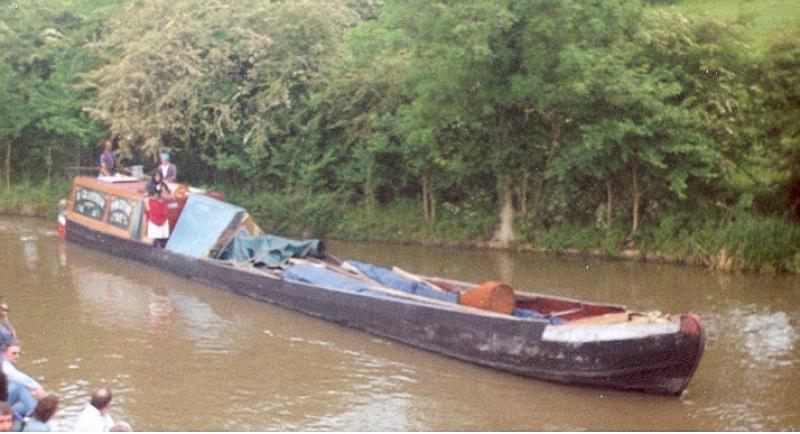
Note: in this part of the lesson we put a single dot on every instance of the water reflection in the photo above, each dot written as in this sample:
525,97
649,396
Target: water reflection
30,252
184,356
115,300
208,331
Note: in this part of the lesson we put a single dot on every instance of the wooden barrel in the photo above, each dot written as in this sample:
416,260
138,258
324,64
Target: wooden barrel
494,296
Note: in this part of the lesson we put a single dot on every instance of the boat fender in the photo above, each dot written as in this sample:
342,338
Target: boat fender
493,296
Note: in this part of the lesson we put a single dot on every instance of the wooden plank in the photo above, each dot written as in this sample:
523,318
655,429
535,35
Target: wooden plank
609,318
416,278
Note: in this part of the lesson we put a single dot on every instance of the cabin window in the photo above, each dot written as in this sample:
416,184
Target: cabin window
89,202
120,213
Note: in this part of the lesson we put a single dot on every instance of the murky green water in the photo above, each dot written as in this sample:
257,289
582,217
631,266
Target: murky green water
184,356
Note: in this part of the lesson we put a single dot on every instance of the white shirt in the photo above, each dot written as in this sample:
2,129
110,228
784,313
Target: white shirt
90,420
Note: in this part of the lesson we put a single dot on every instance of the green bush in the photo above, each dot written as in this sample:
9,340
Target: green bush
34,199
679,236
290,214
766,244
401,220
567,235
463,223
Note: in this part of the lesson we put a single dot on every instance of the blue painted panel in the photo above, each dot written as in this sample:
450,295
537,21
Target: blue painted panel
202,222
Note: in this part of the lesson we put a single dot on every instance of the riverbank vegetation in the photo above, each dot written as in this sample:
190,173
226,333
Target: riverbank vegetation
657,128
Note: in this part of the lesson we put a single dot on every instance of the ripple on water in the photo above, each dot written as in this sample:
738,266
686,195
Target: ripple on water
769,337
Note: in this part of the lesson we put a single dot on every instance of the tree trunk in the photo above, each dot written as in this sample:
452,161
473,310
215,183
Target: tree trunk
428,200
637,199
369,197
369,193
432,202
523,195
49,163
426,206
555,140
609,204
505,231
8,166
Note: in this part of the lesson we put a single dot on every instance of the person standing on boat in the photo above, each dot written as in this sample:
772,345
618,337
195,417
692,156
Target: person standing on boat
157,218
156,184
95,417
108,160
168,170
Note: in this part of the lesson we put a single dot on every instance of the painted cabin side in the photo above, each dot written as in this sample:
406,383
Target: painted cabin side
117,208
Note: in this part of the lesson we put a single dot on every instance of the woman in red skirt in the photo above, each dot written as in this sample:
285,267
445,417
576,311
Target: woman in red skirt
157,218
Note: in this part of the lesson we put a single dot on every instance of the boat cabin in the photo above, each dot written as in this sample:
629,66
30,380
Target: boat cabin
115,204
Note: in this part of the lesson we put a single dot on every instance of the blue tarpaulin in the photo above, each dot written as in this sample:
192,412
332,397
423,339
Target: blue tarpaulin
320,276
390,279
202,222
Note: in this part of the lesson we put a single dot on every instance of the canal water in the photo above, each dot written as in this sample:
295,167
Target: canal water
185,356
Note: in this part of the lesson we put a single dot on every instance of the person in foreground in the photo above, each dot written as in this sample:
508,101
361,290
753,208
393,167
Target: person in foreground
7,333
44,411
95,417
23,391
121,426
6,417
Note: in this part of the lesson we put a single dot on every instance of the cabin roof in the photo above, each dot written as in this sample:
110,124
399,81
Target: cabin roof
128,185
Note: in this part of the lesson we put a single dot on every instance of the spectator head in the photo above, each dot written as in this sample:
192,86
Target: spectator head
154,186
46,408
101,398
164,157
11,353
6,417
121,426
106,144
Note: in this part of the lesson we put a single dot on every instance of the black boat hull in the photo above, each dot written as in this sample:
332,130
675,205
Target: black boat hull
658,364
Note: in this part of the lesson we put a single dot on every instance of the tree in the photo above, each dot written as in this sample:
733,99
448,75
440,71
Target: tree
357,109
42,54
226,81
779,114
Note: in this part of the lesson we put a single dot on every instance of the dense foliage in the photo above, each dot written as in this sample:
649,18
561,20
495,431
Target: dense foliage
562,123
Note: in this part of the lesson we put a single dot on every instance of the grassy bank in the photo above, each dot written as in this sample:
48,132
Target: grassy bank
745,242
28,199
738,242
741,242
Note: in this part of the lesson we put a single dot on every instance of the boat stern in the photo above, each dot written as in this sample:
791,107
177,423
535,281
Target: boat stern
656,356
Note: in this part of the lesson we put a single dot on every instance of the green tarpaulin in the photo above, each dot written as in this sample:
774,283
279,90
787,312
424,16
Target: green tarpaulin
270,250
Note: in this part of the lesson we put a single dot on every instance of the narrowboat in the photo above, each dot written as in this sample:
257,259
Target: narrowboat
489,324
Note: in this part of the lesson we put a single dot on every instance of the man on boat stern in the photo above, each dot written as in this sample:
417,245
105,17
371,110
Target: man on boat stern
108,161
